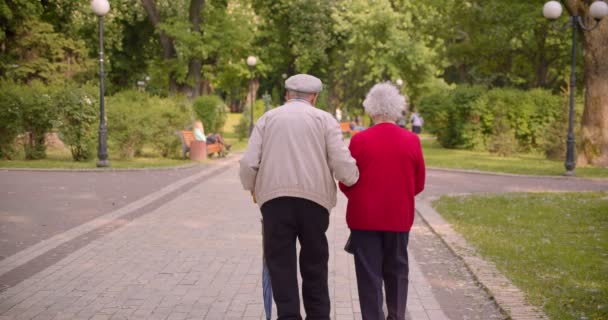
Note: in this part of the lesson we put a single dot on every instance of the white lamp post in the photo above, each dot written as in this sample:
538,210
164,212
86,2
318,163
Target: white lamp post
101,8
553,10
251,61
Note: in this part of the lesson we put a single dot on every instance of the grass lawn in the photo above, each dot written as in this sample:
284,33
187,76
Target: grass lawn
229,134
436,156
62,159
554,246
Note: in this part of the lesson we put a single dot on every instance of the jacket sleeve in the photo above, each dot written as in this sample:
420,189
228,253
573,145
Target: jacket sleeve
341,163
420,174
250,163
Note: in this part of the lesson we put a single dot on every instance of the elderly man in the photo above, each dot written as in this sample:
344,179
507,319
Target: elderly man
294,153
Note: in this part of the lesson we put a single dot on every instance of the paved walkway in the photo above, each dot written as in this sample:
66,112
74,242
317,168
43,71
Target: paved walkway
198,256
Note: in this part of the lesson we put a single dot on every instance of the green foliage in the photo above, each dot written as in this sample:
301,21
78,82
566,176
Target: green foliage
556,136
39,53
498,120
211,110
500,43
78,115
378,41
136,118
10,125
169,116
242,128
37,116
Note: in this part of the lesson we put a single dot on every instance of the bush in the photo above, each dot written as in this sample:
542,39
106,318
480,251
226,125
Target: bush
554,140
242,129
452,116
135,118
79,114
9,118
37,115
211,110
499,120
170,115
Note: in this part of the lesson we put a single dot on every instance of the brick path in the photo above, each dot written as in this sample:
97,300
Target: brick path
197,256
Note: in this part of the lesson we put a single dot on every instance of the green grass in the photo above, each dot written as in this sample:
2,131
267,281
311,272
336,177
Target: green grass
436,156
61,159
229,134
232,120
554,246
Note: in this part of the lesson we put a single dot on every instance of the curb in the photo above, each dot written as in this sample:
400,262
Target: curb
510,300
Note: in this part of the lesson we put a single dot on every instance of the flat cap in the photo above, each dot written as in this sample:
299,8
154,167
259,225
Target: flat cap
304,83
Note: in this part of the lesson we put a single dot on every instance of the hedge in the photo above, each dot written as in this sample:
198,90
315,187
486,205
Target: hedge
502,120
136,119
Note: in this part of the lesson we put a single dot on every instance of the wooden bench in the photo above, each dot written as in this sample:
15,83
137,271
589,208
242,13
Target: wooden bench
346,130
187,137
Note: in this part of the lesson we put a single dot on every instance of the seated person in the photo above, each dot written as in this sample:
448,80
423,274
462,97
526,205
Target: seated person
217,138
199,135
199,131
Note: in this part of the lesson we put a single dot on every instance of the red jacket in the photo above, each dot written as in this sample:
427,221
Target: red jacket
391,173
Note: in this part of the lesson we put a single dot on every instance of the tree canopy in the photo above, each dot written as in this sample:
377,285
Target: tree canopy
198,47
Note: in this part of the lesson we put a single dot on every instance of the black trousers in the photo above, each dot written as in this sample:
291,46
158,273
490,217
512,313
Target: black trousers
381,256
285,220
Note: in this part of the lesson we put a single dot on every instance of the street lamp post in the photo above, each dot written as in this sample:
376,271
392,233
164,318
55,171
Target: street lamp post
553,10
251,61
101,8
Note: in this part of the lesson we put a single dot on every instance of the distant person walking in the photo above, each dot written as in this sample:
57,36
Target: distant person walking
417,122
293,156
380,209
338,114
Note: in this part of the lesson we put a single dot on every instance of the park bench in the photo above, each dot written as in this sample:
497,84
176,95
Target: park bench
347,131
187,137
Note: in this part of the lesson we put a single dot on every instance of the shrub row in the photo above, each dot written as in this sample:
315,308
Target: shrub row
497,120
33,111
134,119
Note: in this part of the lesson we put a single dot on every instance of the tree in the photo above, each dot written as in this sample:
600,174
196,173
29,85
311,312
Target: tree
166,42
293,37
375,42
33,49
501,43
594,140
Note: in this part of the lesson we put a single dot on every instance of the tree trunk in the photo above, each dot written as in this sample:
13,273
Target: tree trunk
166,42
593,143
594,140
195,66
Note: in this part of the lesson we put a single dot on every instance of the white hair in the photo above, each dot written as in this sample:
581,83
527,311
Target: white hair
384,100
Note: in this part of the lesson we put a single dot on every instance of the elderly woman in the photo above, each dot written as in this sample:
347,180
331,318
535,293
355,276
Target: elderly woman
380,209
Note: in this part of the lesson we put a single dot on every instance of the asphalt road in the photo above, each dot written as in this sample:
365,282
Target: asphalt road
36,205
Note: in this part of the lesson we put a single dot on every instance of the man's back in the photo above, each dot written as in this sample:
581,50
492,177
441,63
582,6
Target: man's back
295,150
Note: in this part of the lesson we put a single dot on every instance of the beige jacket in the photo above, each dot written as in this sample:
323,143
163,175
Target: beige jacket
295,151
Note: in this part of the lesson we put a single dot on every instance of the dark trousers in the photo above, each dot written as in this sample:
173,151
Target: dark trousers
381,256
285,220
